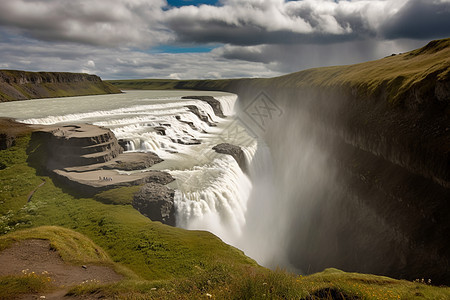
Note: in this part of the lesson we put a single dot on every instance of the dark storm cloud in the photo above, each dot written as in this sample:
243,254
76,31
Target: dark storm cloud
147,23
420,19
254,22
270,22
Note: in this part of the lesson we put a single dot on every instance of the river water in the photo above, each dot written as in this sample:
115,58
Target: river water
211,191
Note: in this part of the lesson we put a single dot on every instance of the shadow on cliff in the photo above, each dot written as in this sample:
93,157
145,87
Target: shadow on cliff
38,158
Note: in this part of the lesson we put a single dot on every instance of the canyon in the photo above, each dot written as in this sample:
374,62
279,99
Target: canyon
354,168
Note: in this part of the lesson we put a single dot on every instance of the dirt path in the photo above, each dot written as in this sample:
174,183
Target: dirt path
30,195
37,256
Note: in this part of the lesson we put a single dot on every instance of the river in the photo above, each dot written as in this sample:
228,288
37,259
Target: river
211,191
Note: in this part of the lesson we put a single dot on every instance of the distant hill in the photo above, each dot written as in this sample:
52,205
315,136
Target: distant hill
394,78
22,85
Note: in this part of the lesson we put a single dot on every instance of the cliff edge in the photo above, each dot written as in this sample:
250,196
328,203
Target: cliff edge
22,85
382,130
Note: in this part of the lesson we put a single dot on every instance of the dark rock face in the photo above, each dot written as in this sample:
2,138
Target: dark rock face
21,85
9,130
234,151
6,141
386,209
215,104
205,118
79,145
155,201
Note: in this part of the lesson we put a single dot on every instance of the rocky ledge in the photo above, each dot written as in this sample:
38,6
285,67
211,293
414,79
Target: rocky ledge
235,151
89,159
215,104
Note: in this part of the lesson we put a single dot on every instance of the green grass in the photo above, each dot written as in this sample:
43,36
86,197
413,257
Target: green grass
119,196
17,180
150,249
170,84
159,261
172,263
73,247
29,283
251,283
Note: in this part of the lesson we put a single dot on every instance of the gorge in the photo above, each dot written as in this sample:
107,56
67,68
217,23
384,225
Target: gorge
347,166
361,161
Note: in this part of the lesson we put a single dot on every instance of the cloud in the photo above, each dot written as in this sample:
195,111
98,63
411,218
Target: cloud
420,19
292,58
100,22
116,38
256,22
116,63
148,23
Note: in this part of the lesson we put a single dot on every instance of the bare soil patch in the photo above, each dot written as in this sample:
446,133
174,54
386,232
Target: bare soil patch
37,256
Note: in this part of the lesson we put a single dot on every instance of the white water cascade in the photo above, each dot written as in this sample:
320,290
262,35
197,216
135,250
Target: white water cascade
212,191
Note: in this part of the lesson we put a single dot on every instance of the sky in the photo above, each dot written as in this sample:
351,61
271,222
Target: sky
184,39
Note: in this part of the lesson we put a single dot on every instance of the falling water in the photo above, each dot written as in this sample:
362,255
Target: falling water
212,191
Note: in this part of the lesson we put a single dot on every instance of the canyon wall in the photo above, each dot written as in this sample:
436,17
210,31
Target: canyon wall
21,85
361,159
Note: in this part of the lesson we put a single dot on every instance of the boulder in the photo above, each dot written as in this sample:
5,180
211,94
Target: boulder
234,151
155,201
6,141
133,161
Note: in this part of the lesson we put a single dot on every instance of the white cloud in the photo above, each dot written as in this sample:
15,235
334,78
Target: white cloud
111,63
101,22
254,37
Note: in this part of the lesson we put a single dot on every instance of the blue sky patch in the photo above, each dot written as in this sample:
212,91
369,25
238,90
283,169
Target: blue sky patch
182,49
178,3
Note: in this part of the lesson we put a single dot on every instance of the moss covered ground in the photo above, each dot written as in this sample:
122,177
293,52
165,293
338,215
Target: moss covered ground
158,261
162,262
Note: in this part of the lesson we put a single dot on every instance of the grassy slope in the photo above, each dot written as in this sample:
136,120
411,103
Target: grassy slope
189,264
395,74
178,263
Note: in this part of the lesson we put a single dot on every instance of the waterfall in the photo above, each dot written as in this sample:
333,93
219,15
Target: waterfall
213,197
211,190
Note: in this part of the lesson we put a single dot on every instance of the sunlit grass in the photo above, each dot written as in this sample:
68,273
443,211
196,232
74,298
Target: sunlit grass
26,283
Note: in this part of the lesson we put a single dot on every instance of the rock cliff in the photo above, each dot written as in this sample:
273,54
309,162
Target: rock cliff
375,138
21,85
88,159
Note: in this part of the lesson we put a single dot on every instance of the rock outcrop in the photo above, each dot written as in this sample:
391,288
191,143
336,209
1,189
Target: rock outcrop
155,201
204,117
235,151
78,145
21,85
215,104
87,158
9,130
6,141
